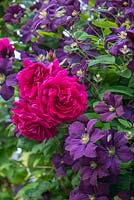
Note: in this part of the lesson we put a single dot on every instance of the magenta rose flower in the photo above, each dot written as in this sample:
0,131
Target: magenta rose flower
30,123
6,49
62,97
31,77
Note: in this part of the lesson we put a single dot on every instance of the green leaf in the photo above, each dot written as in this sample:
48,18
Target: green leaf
131,81
124,181
102,23
125,73
91,115
75,180
49,34
92,3
118,89
103,59
68,48
81,35
25,188
126,165
125,123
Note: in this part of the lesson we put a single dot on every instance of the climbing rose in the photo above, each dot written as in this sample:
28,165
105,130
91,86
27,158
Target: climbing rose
30,123
32,76
62,97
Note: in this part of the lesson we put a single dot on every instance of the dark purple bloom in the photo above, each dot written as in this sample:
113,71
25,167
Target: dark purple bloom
27,32
123,40
16,189
59,165
7,79
56,13
131,66
13,14
113,150
92,169
82,140
79,69
120,3
68,160
99,192
37,5
110,108
122,195
46,196
129,112
38,55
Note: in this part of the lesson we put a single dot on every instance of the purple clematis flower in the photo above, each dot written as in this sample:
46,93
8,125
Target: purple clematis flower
27,32
113,150
123,40
99,192
13,14
122,195
82,140
56,13
46,196
110,108
131,65
120,3
37,55
7,79
129,112
92,169
59,165
68,160
37,5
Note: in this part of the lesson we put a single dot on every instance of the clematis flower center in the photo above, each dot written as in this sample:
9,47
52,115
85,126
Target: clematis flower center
41,57
129,135
122,35
79,72
43,26
15,15
60,13
125,49
93,165
74,13
2,78
84,138
46,2
111,108
111,151
91,197
42,14
117,198
132,198
73,45
125,3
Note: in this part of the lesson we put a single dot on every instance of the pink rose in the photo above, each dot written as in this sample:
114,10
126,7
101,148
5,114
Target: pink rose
30,123
6,49
62,97
32,76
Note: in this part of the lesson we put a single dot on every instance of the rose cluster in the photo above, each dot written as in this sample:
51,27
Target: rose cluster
49,96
